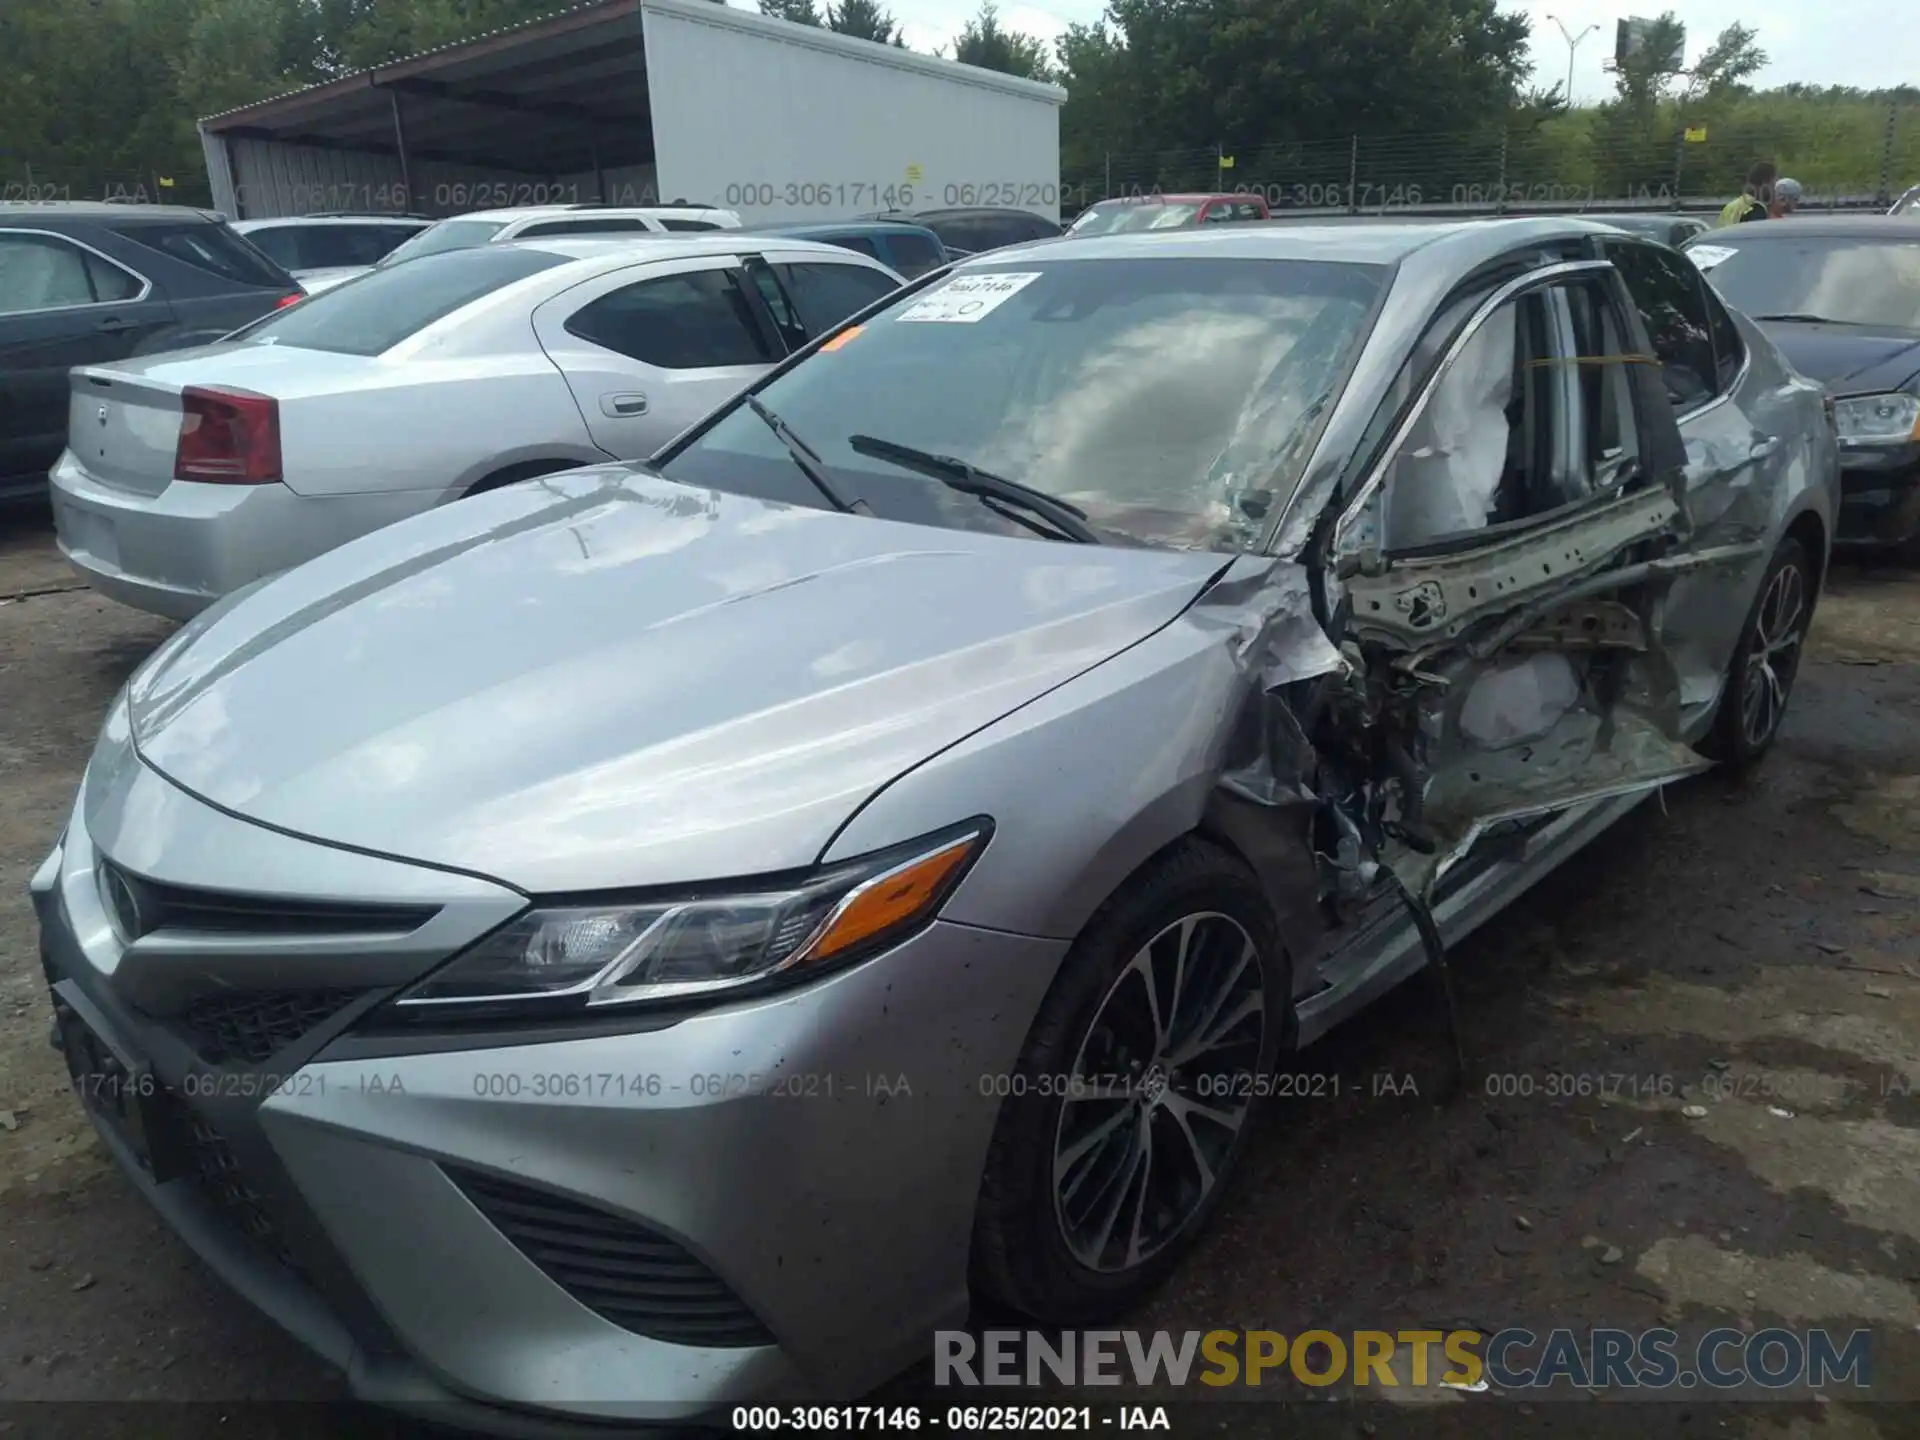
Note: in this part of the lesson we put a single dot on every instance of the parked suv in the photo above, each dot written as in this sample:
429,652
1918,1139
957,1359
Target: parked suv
967,232
546,222
84,284
322,250
913,250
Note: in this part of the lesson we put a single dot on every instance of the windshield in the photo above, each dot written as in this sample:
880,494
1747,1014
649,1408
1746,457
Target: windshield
447,235
1857,280
1119,217
374,312
1167,399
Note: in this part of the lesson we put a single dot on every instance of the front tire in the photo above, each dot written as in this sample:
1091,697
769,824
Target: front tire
1131,1100
1765,662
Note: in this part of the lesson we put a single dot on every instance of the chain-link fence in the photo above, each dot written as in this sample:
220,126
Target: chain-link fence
1857,155
22,181
1846,154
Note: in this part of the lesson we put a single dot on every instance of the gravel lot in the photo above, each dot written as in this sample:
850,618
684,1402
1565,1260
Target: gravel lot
1756,938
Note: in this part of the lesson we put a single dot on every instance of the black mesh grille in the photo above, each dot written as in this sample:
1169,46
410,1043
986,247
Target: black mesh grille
224,1183
252,1026
141,906
622,1271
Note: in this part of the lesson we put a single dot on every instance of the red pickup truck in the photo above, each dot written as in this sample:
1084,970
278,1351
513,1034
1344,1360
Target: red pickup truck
1166,212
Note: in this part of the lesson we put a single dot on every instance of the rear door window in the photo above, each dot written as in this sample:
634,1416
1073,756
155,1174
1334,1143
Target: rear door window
969,235
694,321
40,272
859,244
1672,301
825,293
210,248
914,255
380,309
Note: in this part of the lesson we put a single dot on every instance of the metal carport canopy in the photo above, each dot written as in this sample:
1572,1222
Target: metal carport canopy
565,93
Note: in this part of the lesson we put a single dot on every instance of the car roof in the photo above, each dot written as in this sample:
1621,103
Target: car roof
1181,196
554,212
1376,244
1873,225
1613,217
40,212
978,211
666,247
843,227
280,222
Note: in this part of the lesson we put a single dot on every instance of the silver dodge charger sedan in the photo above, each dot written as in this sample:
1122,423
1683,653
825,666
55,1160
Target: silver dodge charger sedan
665,936
191,474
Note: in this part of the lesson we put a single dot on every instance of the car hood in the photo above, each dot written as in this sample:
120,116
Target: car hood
1848,359
604,679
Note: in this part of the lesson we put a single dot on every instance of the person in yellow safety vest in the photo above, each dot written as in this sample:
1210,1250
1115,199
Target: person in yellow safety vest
1757,202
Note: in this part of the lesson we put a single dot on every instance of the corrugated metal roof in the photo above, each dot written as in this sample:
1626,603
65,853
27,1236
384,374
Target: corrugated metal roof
611,6
747,21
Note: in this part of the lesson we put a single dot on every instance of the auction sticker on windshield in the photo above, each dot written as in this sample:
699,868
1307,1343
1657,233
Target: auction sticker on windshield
1708,256
966,298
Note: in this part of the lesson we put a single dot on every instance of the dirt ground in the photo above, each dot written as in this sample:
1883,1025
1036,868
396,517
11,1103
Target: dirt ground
1753,943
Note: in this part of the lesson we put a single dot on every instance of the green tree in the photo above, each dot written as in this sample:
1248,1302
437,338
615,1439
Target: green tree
986,44
866,19
800,12
1265,75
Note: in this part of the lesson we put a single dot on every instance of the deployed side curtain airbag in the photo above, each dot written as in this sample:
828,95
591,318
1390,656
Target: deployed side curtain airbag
1446,480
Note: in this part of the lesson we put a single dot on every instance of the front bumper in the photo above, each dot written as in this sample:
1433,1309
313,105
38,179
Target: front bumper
814,1156
176,552
1879,497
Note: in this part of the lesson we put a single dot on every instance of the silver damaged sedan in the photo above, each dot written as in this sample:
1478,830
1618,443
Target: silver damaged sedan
663,936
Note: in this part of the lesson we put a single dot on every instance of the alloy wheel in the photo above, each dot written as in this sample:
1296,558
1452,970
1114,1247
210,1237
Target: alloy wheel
1773,656
1164,1078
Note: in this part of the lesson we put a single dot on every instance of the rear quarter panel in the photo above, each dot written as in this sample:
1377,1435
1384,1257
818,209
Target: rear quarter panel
432,426
1736,500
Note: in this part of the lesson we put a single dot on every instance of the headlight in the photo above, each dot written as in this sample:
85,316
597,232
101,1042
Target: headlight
596,957
1878,419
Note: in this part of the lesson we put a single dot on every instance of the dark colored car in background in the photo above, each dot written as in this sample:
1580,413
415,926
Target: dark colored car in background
1840,295
911,250
1166,212
969,231
85,283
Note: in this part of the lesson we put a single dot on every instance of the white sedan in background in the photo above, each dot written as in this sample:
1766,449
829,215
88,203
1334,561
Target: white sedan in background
321,251
191,474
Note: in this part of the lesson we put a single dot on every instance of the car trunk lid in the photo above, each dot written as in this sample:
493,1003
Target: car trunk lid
123,421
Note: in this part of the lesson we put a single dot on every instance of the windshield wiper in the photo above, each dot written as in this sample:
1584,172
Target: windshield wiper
1797,318
1064,520
811,465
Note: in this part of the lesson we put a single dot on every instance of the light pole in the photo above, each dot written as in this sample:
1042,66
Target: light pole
1573,45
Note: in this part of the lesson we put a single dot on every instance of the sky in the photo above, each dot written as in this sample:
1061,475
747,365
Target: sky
1867,43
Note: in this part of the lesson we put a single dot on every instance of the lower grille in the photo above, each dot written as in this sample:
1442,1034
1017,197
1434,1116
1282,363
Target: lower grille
224,1183
253,1026
625,1273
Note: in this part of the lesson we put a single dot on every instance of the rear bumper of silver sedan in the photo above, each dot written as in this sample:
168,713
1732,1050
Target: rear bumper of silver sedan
177,551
